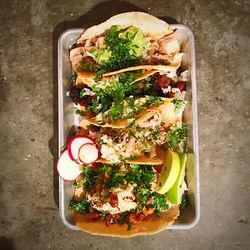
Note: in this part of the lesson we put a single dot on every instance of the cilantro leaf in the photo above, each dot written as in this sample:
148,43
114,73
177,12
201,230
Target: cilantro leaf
177,136
179,105
81,207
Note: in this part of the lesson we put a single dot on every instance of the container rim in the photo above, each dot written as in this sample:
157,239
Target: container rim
194,132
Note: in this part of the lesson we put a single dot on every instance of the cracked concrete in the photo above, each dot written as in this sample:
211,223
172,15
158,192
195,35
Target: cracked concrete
29,214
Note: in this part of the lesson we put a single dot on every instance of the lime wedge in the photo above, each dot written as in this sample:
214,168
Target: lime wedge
169,172
175,192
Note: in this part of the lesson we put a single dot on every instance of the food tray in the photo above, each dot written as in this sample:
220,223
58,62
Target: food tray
67,118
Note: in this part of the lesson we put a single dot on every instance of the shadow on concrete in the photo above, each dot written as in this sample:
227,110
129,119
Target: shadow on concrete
7,243
97,14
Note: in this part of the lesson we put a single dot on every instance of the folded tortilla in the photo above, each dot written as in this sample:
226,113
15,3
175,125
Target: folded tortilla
143,159
147,23
150,225
88,78
166,110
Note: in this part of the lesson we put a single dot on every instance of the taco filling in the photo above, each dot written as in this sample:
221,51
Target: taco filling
129,90
119,48
120,194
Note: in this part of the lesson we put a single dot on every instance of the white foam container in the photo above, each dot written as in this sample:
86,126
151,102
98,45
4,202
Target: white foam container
67,118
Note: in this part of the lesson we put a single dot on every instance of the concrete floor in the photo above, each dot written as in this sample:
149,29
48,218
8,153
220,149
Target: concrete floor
28,211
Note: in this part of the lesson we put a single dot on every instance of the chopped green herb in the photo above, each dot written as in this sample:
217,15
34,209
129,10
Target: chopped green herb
81,207
129,226
124,49
88,177
179,105
150,101
160,202
124,217
185,202
95,106
176,136
116,111
156,133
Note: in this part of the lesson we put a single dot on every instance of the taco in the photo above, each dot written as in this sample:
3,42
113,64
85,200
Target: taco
130,93
125,41
120,200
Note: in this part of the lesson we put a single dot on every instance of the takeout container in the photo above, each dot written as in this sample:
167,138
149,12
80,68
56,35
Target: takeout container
67,118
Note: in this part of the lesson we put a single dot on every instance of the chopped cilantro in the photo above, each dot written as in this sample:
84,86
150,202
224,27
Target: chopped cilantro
120,48
150,101
95,106
123,217
88,177
81,207
156,133
116,111
176,136
185,202
179,105
141,175
160,202
129,226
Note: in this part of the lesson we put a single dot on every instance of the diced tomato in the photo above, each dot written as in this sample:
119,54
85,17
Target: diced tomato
136,218
113,200
164,81
180,85
150,200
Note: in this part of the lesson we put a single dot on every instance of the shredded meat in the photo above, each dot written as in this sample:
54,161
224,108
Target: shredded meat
111,219
92,216
148,211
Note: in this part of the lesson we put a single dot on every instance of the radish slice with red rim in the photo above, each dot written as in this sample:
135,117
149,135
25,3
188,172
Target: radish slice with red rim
67,169
75,143
88,153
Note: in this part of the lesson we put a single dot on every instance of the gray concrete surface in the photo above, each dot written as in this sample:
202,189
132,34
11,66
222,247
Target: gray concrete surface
29,214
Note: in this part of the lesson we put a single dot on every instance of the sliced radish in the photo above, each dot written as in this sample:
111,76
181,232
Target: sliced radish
67,169
75,143
88,153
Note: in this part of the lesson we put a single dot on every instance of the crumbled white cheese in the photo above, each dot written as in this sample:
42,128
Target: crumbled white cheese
184,76
180,95
166,90
108,153
87,92
174,90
